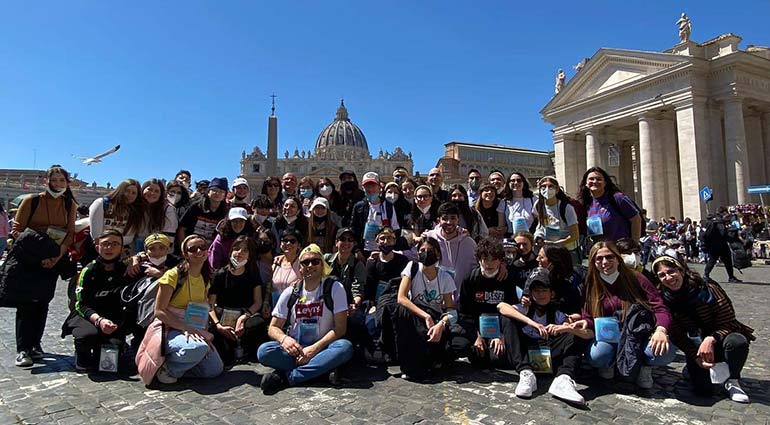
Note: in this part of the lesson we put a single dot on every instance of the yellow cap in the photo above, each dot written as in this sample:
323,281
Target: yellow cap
317,250
157,238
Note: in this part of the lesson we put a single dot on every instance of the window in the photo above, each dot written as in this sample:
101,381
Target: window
255,168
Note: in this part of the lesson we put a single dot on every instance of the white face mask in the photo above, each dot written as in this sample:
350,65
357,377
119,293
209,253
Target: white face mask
391,197
548,192
610,278
325,190
290,219
173,198
424,210
237,264
491,274
158,261
410,200
631,260
260,218
54,193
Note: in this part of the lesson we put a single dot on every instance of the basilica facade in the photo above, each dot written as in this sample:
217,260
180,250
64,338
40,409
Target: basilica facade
340,146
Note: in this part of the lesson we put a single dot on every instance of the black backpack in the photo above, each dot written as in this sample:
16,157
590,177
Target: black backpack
296,293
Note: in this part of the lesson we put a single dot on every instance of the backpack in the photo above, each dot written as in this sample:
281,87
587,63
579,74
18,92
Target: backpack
296,293
614,203
580,212
139,299
35,200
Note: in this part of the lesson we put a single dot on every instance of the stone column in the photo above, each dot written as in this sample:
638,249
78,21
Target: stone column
692,130
580,157
718,180
627,169
667,132
610,138
755,146
593,150
766,141
735,149
565,150
646,164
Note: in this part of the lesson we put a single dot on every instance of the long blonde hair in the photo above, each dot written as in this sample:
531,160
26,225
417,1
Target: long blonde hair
627,284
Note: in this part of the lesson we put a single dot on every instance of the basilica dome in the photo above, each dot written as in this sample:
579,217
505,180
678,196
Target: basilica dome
342,139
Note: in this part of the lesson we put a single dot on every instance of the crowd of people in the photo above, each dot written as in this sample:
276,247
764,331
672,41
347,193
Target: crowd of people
306,277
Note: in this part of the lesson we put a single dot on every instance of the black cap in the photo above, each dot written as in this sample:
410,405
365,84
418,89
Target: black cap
344,230
538,278
347,173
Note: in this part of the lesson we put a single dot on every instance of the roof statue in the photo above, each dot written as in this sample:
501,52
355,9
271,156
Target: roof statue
685,28
560,78
580,64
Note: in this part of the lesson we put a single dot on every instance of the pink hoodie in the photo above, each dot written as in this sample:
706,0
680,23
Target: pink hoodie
457,254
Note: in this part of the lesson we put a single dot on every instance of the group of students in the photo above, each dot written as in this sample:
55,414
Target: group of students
307,277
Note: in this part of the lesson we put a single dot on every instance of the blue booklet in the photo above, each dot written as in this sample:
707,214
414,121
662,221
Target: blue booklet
489,326
607,329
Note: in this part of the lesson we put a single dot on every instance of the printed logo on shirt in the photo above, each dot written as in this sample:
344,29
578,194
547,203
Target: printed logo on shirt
490,297
307,311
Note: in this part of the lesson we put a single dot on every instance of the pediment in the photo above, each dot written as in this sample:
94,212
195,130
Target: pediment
611,69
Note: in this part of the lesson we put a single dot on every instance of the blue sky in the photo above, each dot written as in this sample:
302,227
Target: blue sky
186,84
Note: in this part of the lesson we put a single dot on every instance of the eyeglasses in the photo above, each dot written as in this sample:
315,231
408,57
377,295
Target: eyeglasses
347,240
289,241
423,196
600,258
310,262
195,249
113,244
662,274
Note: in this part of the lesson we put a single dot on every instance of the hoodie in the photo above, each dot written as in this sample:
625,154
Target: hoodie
458,255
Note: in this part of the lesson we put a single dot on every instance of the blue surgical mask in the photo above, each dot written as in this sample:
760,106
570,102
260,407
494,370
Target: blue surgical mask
373,198
307,193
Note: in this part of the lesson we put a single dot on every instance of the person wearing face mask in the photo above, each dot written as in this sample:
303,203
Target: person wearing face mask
322,226
241,195
487,339
178,197
372,214
557,220
236,294
519,204
43,230
631,253
261,219
613,291
291,219
99,317
426,309
350,195
470,219
326,188
492,210
237,224
306,191
402,207
400,175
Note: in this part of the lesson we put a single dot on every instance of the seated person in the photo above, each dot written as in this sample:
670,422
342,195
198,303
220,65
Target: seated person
307,329
156,259
521,257
351,272
99,316
547,340
425,306
486,339
236,294
704,328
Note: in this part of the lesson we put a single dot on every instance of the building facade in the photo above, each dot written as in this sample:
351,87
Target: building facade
461,157
666,124
16,182
340,146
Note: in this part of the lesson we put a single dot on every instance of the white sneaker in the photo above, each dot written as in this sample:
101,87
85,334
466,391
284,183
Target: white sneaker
563,388
527,384
164,377
735,391
644,379
606,372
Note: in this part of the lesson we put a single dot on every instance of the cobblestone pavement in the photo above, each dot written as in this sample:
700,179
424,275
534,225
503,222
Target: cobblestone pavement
51,392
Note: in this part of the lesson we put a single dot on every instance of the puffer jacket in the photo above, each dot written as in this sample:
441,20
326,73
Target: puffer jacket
22,278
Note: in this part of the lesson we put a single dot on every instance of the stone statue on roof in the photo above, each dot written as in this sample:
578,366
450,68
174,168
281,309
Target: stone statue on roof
685,28
560,78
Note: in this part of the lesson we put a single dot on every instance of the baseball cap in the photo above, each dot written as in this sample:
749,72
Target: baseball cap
343,231
236,213
319,201
538,278
157,238
240,181
370,177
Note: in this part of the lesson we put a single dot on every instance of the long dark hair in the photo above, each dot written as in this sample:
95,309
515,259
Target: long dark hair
560,260
542,216
626,286
184,267
479,205
156,213
252,266
465,210
133,211
610,188
58,169
227,232
185,198
329,228
526,191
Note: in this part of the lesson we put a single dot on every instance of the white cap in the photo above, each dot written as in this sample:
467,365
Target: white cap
237,212
239,181
319,201
370,177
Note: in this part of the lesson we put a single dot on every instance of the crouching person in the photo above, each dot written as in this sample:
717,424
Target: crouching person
307,329
98,319
547,341
185,348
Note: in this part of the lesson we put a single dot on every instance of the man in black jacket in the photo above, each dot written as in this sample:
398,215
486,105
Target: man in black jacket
715,240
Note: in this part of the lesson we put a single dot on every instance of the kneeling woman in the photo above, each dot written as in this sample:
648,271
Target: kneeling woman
423,316
182,310
236,294
704,328
308,326
621,296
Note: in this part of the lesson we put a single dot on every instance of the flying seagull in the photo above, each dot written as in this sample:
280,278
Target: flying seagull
97,158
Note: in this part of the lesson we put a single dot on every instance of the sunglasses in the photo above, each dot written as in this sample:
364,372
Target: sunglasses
599,258
289,241
423,196
195,249
310,262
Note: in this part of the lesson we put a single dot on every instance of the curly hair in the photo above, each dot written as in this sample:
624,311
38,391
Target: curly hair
490,247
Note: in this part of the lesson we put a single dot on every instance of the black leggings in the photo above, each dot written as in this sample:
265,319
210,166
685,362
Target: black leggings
30,325
726,258
733,350
416,355
462,344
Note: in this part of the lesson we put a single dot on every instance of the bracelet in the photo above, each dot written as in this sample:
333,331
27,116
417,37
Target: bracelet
282,339
98,322
216,323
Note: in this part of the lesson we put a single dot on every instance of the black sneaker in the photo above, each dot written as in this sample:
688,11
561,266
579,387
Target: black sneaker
734,280
23,359
272,383
36,353
334,377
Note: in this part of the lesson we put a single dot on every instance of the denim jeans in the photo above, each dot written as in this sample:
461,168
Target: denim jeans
602,355
191,359
271,354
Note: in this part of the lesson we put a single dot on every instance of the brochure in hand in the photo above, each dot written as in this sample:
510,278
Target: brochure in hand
607,329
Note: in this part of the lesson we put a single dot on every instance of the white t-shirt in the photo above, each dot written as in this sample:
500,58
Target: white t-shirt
310,305
543,320
429,292
519,207
374,222
556,228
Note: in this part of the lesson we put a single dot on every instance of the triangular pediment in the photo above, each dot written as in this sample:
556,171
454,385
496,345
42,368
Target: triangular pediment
611,69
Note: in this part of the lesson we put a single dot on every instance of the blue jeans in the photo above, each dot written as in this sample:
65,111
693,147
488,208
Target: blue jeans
191,359
271,354
602,355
